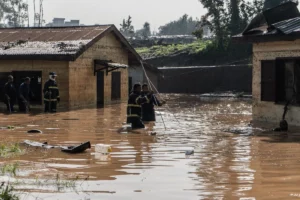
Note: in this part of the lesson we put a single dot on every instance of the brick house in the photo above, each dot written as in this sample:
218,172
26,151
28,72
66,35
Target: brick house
91,62
275,35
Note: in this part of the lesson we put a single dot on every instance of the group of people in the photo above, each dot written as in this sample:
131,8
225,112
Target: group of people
24,94
140,106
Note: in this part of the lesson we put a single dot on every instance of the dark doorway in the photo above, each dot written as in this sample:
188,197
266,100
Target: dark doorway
35,84
116,86
3,80
129,84
100,88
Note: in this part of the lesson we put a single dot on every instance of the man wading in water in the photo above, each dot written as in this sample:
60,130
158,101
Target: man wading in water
134,109
148,111
10,93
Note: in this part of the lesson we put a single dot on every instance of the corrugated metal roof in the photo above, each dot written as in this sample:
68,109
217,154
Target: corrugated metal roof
56,43
288,26
51,33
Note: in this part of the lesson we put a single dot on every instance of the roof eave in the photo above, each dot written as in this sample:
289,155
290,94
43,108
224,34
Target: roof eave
265,38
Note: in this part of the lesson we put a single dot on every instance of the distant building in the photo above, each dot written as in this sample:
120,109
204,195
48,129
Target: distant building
59,22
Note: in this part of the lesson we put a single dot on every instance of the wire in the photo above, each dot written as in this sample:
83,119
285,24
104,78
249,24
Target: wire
149,83
203,68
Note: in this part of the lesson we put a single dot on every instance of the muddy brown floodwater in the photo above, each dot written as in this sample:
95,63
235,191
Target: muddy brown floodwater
250,163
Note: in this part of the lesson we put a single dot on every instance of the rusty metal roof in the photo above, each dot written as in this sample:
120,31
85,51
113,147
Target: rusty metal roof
54,43
51,33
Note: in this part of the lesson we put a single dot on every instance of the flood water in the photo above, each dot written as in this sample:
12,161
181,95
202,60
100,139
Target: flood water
251,163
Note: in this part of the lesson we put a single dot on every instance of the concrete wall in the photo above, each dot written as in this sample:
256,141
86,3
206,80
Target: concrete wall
60,67
83,83
138,75
199,80
269,111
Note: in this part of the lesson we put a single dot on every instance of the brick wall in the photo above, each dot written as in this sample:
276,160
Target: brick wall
83,83
60,67
269,111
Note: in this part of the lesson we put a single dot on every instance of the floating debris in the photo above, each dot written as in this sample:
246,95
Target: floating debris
35,131
246,131
153,133
189,152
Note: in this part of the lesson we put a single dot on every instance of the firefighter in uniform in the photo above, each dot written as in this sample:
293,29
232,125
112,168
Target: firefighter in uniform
51,93
134,109
148,111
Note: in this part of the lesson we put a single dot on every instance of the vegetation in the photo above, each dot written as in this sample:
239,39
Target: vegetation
159,50
14,12
185,25
127,28
10,150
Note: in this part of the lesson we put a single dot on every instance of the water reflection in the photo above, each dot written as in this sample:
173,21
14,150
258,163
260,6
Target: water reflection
141,166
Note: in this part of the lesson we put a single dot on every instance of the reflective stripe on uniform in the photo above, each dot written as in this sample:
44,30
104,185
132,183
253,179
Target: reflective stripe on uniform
133,115
53,87
50,99
134,105
137,99
148,101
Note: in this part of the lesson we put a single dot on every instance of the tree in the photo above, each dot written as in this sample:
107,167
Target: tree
229,17
146,30
14,12
218,18
185,25
126,27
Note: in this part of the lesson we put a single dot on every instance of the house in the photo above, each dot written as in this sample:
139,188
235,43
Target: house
91,62
275,35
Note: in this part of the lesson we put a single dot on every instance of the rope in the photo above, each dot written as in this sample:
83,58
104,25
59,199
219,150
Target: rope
149,83
156,90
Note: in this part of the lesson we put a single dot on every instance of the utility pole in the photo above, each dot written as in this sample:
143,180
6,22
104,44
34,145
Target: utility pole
34,19
41,14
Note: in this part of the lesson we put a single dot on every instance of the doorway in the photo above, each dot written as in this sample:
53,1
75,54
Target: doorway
100,88
115,86
35,84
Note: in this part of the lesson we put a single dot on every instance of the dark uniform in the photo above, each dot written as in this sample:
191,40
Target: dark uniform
51,95
24,97
148,111
134,109
10,96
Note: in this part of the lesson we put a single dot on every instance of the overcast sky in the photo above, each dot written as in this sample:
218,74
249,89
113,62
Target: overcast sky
89,12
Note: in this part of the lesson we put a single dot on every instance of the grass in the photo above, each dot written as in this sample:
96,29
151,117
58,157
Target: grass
161,50
10,150
10,169
6,192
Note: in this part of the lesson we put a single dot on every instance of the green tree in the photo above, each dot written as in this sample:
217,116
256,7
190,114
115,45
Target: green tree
127,28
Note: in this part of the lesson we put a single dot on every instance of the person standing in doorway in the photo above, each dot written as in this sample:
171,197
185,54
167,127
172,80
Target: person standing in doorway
51,93
134,109
24,96
148,111
10,94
